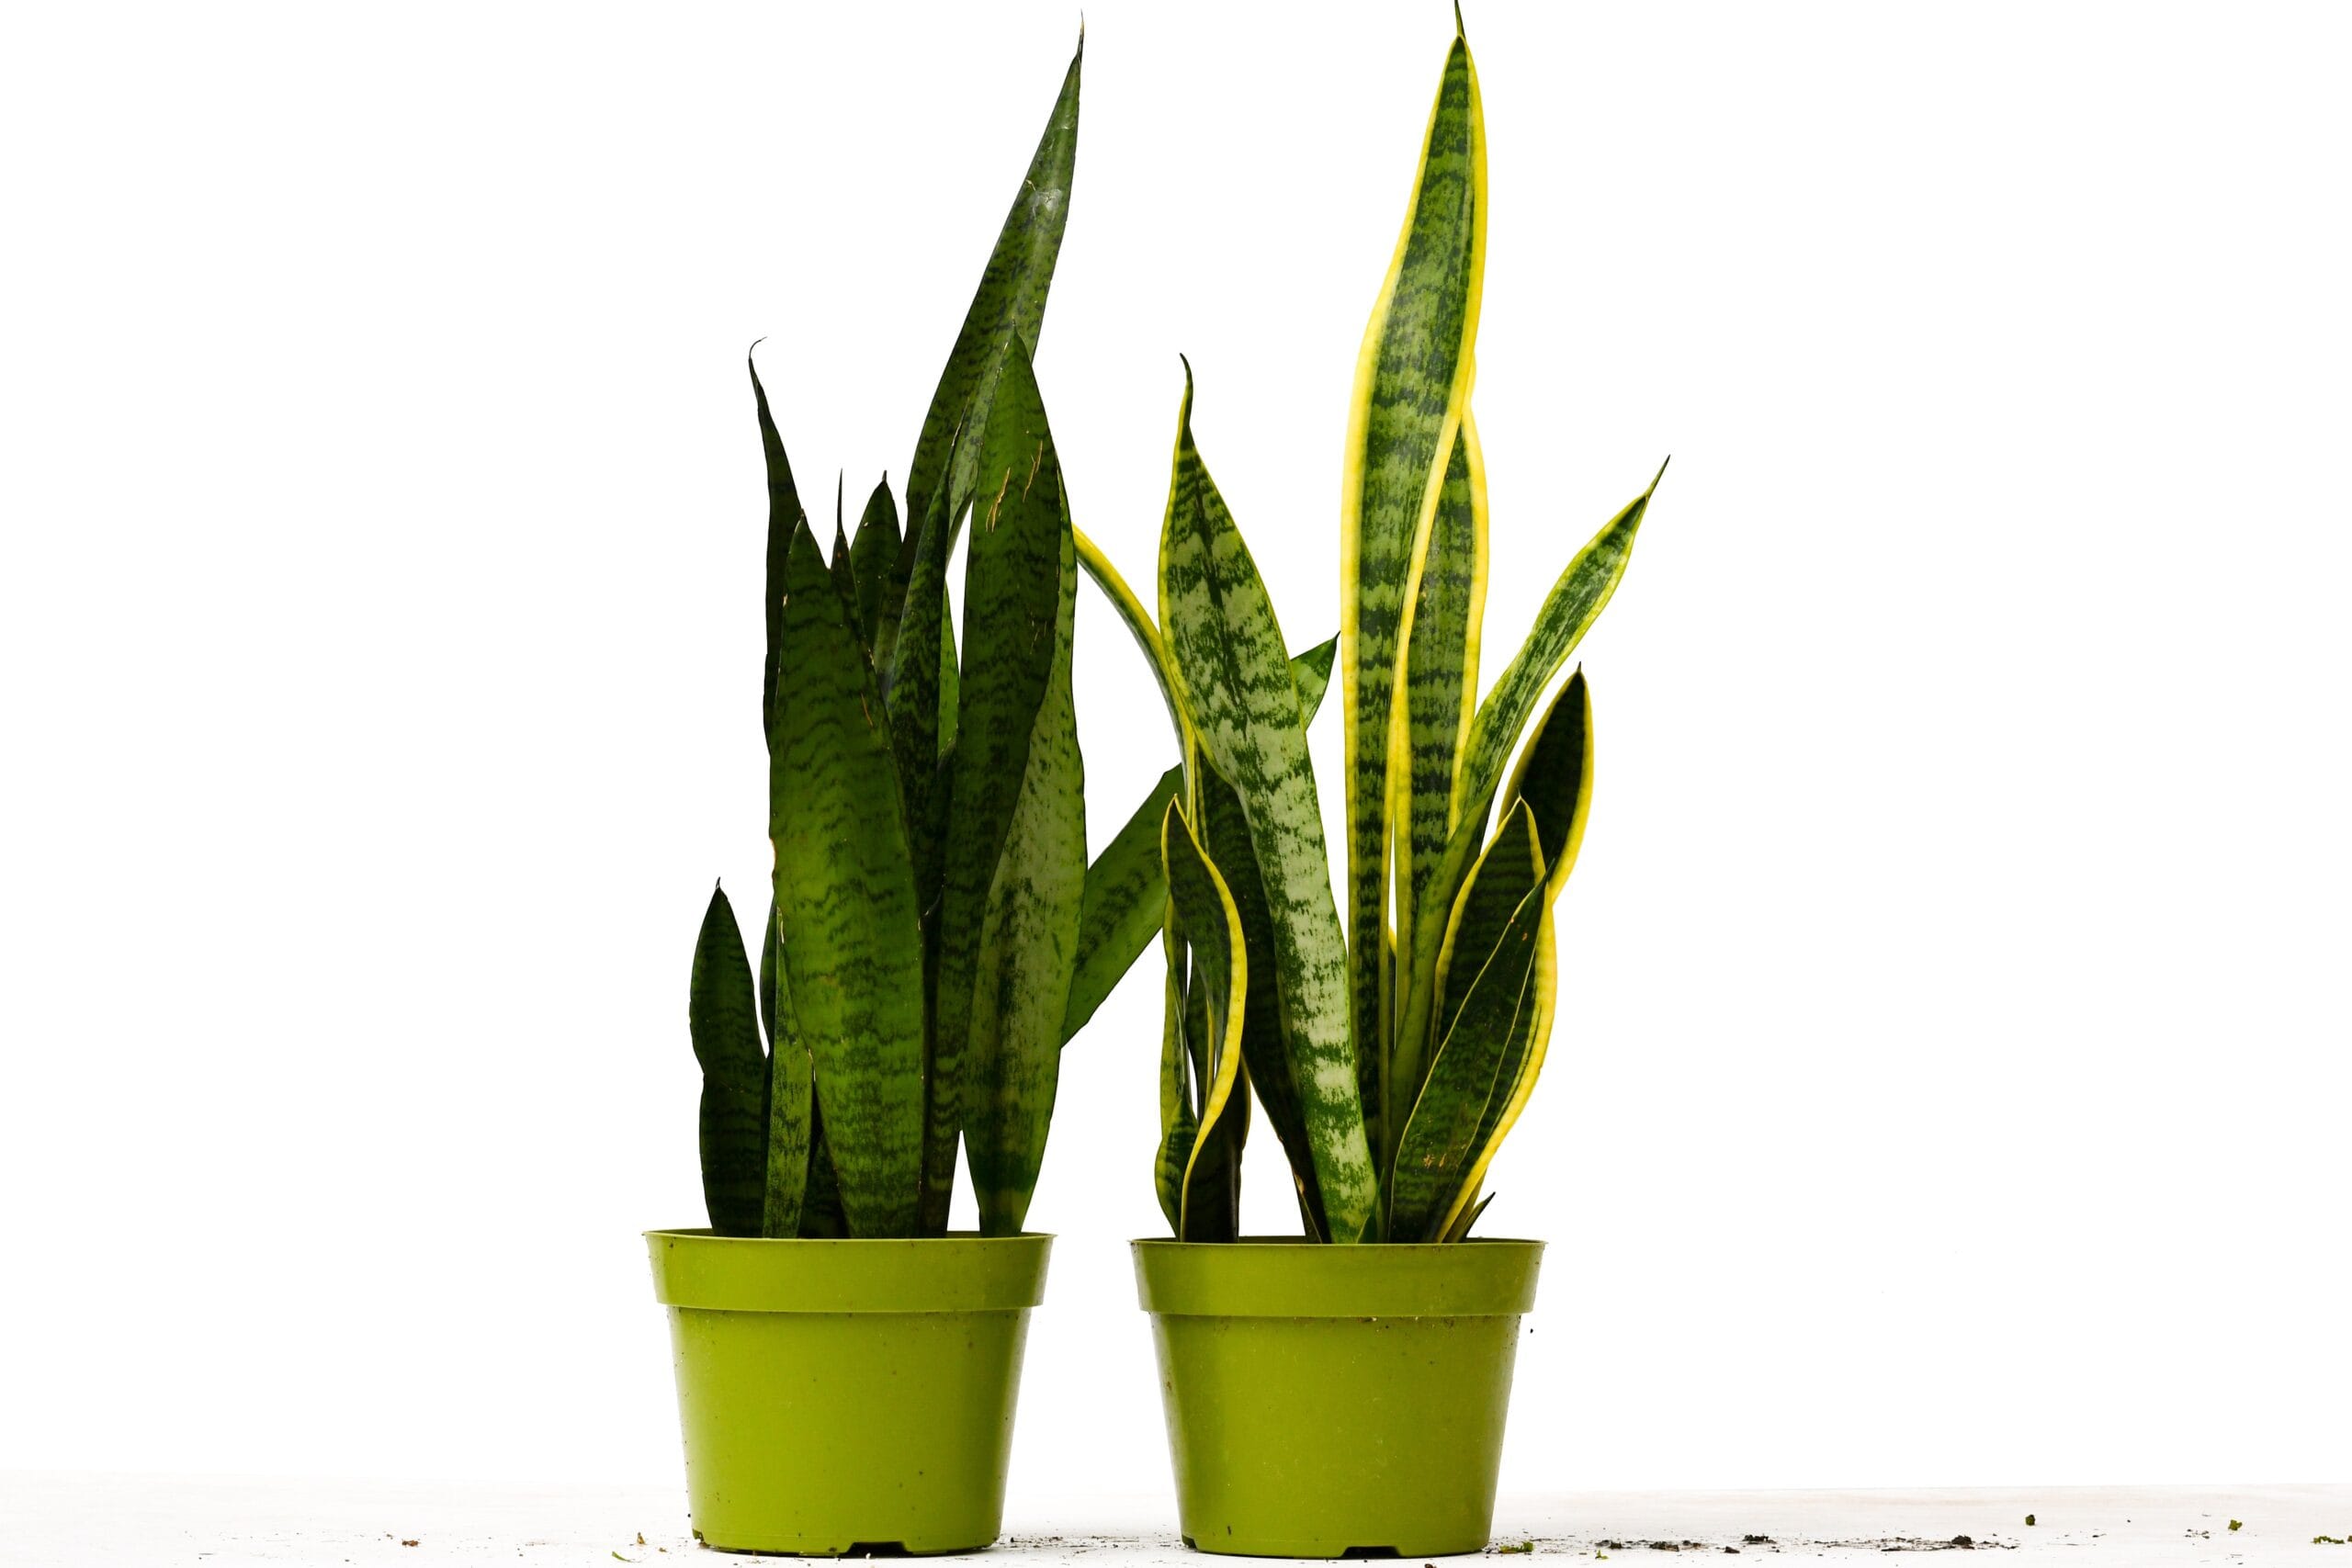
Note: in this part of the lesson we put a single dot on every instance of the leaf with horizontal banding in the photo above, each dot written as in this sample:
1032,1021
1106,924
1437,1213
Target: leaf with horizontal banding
874,555
722,1017
1028,947
785,514
1412,383
1473,1068
1008,306
1575,601
821,1207
844,575
1125,889
920,677
791,1109
852,958
1012,603
1201,914
1441,688
1554,778
1234,684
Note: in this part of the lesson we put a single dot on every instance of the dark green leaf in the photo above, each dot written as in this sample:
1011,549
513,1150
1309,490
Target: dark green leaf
723,1018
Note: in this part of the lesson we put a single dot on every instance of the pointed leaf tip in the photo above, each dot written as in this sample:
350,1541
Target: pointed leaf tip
1457,22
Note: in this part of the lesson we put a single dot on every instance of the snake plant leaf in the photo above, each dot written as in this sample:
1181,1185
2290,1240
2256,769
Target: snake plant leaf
1554,778
920,706
1575,601
1494,886
1140,626
1460,1229
1522,1062
1475,1066
844,575
724,1021
1008,308
1202,913
1028,949
1412,384
767,977
1265,1053
1179,1126
791,1108
1014,596
1127,894
785,514
821,1207
1440,674
1235,682
853,959
874,555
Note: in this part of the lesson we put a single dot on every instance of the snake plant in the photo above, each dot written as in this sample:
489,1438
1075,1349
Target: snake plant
935,932
1390,1060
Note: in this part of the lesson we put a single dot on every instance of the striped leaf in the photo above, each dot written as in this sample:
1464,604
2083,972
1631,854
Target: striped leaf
1012,604
1126,895
1440,675
1201,916
1234,682
1555,779
1510,869
1412,384
873,554
723,1018
1476,1065
1125,890
1575,603
785,515
920,705
1008,308
791,1109
845,903
844,575
1522,1062
820,1208
1028,948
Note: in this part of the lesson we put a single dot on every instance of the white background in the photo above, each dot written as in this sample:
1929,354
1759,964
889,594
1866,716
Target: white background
1951,1081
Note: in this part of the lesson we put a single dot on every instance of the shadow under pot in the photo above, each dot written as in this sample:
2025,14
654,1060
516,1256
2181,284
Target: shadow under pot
1336,1401
847,1397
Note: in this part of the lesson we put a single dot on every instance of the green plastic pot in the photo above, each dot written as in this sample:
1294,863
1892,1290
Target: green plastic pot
1336,1401
847,1396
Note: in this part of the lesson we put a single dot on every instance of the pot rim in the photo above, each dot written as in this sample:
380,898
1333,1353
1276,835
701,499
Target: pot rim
959,1272
1288,1277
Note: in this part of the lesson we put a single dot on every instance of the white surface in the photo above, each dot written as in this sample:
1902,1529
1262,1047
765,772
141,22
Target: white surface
82,1521
1952,1064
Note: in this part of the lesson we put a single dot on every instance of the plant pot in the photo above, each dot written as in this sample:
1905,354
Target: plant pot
1336,1401
847,1396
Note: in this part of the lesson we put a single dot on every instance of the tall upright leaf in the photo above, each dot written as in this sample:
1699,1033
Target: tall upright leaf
1127,894
1235,684
1179,1123
919,684
1440,674
1008,306
1412,384
785,515
1027,952
1012,603
723,1018
845,903
791,1110
874,552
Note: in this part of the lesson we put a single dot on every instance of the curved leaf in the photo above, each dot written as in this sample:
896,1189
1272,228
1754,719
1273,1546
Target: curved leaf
1235,682
722,1016
1028,947
1139,622
845,903
1125,896
1179,1127
1554,778
1412,383
1530,1037
1201,915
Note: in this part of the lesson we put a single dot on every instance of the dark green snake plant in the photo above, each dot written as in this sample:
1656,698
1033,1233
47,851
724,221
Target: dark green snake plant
934,932
1390,1061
